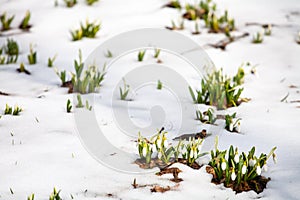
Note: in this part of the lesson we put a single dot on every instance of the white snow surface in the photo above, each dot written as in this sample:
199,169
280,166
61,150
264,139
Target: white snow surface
47,151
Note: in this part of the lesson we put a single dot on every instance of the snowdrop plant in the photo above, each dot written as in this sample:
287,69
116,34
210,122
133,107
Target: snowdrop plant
89,29
191,150
257,38
30,197
233,168
6,21
51,61
80,104
70,3
12,51
124,91
156,53
159,147
145,148
165,152
25,21
86,81
2,57
141,55
22,69
10,111
206,117
232,124
62,75
76,34
174,26
268,30
55,195
219,90
31,56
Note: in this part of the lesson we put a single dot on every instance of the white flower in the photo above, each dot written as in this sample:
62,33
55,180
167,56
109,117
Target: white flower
236,158
159,155
158,141
233,175
258,170
238,127
191,153
252,162
145,150
153,147
244,169
274,158
231,127
223,165
195,154
265,168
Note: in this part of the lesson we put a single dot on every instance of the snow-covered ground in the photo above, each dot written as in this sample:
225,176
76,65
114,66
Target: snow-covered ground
41,149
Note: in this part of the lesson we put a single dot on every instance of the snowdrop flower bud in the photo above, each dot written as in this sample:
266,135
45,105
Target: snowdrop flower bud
236,158
153,147
258,170
233,175
274,158
223,165
145,150
244,169
231,127
252,162
158,141
165,143
159,155
265,167
238,127
191,153
195,154
183,151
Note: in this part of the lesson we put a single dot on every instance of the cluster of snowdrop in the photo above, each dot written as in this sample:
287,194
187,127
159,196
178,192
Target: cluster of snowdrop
158,147
232,123
235,168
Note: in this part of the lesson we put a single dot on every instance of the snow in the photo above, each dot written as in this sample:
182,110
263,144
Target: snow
47,151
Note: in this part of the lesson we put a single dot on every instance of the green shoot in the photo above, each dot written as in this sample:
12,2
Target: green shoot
159,85
90,30
30,197
141,55
6,21
12,51
69,106
108,54
79,102
91,2
257,38
25,22
51,61
22,69
124,92
76,34
55,195
156,53
70,3
268,30
31,56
